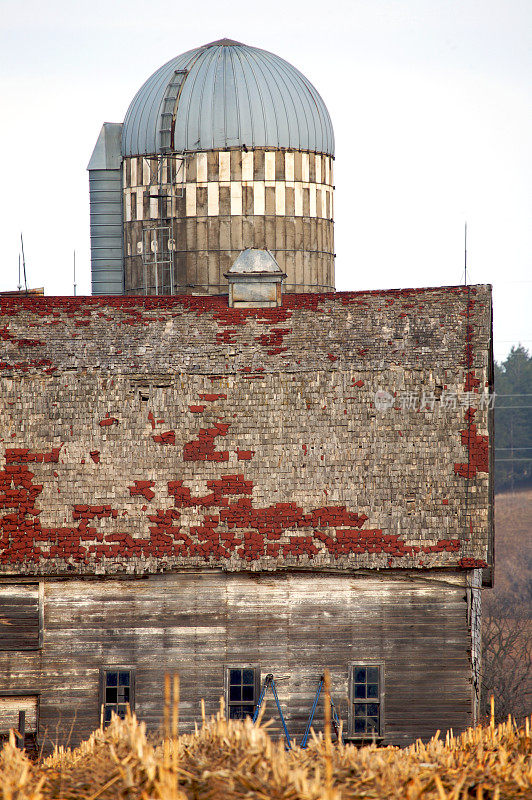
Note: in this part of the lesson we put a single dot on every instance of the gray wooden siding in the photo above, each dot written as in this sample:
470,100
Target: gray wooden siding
9,712
293,625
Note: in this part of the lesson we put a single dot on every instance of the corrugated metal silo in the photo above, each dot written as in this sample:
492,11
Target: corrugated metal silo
105,187
226,147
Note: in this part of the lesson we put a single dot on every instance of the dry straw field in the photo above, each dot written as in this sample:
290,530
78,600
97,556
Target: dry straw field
234,760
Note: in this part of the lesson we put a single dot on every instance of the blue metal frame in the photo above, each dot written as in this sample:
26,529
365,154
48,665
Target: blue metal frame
269,681
311,716
335,720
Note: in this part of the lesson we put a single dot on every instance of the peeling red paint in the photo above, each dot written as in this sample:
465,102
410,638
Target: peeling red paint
105,423
471,382
142,488
274,340
478,449
236,527
472,563
245,455
211,398
211,533
165,438
203,448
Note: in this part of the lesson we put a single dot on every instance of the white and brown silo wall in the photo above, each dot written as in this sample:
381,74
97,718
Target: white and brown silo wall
225,201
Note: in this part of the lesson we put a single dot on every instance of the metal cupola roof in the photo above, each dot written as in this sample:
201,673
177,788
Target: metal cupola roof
226,95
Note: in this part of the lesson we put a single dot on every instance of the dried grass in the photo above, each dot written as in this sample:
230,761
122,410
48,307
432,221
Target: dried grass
229,760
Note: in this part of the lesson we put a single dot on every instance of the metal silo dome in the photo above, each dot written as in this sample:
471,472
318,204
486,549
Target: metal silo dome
226,95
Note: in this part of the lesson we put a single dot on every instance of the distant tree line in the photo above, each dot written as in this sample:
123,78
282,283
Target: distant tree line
507,654
506,609
513,421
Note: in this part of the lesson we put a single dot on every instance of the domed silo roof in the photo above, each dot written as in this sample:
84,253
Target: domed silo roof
227,94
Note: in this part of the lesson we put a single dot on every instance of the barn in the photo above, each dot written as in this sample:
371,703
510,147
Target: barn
219,466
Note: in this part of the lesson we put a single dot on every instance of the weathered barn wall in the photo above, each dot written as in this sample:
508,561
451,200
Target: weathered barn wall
221,202
144,435
293,625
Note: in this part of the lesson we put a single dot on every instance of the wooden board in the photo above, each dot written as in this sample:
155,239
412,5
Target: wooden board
19,616
293,625
9,710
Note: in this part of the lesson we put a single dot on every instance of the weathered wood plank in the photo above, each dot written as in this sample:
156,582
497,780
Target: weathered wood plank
292,625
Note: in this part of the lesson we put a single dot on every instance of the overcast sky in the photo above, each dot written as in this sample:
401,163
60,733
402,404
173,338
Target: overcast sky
430,102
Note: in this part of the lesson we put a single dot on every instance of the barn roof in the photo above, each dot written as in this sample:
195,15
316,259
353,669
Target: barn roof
374,330
339,431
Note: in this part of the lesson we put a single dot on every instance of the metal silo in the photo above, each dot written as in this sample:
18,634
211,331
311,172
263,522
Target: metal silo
105,187
226,147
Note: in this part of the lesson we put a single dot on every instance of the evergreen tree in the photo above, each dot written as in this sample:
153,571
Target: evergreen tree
513,421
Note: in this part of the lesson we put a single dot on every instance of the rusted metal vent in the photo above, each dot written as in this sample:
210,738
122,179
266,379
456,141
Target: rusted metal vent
255,280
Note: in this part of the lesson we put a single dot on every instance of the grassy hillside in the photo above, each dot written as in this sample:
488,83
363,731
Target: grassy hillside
513,544
506,610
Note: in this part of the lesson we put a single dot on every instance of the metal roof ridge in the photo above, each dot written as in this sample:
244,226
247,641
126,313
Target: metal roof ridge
224,43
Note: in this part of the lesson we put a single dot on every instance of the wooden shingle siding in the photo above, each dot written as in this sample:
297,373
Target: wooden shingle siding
19,616
293,625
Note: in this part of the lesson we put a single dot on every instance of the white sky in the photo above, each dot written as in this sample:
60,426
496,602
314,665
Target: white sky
430,102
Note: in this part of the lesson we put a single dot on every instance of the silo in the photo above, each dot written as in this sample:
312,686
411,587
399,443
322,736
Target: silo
226,147
106,212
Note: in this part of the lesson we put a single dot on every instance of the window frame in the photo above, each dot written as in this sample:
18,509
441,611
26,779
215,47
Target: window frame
256,684
102,685
381,700
37,642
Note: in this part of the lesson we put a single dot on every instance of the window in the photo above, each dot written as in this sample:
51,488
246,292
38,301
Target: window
241,691
366,700
117,691
21,616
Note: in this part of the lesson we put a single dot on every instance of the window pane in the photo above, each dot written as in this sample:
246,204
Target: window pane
360,709
248,711
360,675
360,725
373,724
372,709
235,712
373,674
235,693
247,676
247,693
111,695
117,692
373,690
235,676
360,690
